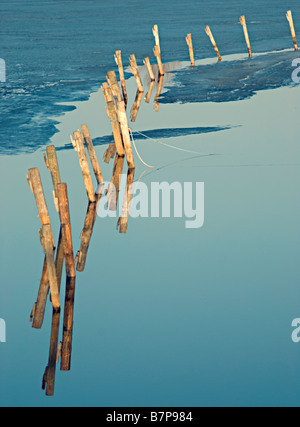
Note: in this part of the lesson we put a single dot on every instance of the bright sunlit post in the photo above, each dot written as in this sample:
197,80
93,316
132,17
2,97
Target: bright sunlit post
2,331
2,71
160,200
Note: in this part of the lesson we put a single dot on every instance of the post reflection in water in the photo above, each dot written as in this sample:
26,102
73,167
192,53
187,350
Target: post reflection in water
63,252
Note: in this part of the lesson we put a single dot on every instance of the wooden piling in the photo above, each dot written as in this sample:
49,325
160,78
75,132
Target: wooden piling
149,68
118,59
92,154
113,116
64,213
46,233
48,247
156,36
244,25
123,220
113,83
125,133
135,71
189,42
38,312
157,53
83,161
289,17
136,106
213,42
86,234
52,166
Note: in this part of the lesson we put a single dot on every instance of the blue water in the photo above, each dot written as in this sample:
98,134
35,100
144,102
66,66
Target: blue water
60,51
164,316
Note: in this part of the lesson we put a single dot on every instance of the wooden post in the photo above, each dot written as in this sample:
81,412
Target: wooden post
110,153
46,233
158,93
149,94
118,58
64,213
244,25
289,17
136,106
83,160
123,220
113,116
213,42
113,83
157,53
149,68
125,133
49,376
48,247
135,71
191,50
92,154
52,166
38,312
156,36
86,234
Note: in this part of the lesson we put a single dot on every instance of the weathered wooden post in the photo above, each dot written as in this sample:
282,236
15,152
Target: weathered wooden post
46,233
136,106
149,68
86,234
113,116
135,71
64,213
46,237
92,154
213,42
189,42
113,83
157,53
84,164
244,25
123,220
289,17
156,36
38,311
125,133
118,59
52,166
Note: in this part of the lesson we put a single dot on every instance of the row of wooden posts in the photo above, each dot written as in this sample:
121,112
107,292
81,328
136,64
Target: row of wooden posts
56,256
122,96
208,31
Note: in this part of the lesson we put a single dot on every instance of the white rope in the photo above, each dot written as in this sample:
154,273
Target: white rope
144,163
169,146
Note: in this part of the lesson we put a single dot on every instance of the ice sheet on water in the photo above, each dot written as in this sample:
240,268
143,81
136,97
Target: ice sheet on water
232,80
